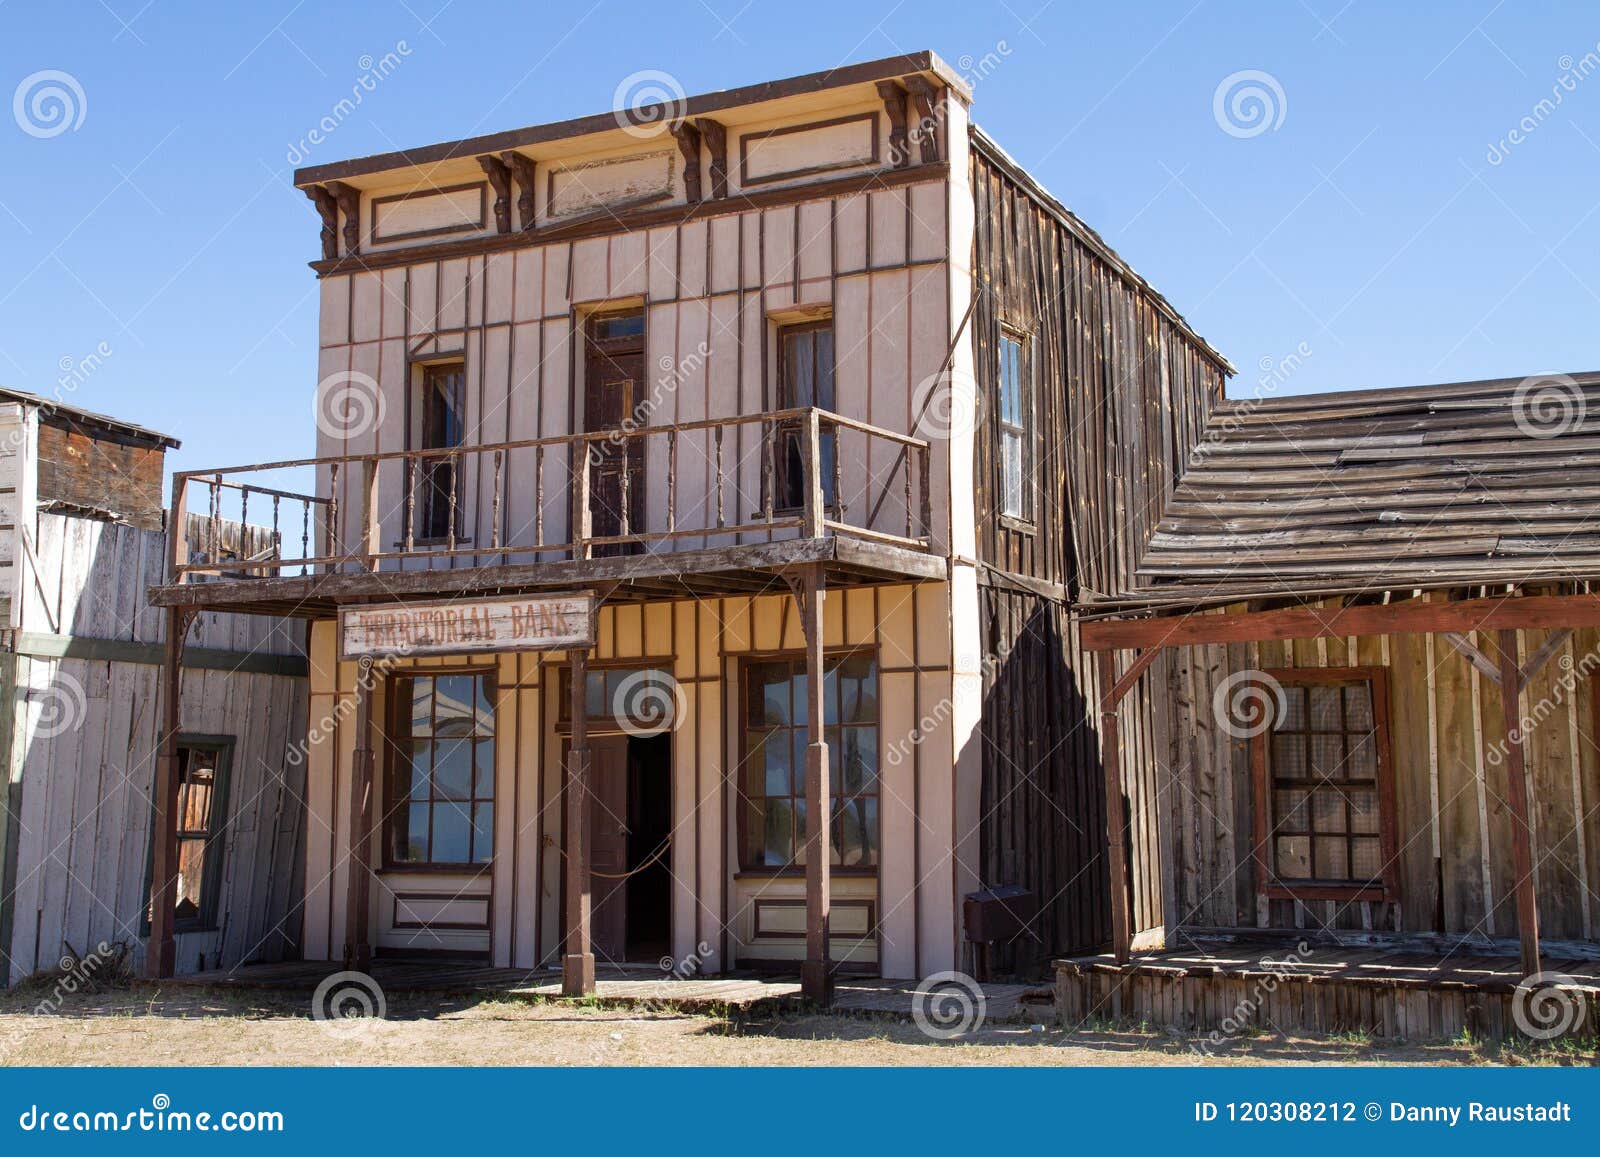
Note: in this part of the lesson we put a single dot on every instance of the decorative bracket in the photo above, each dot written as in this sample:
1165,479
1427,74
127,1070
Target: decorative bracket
328,210
500,181
925,130
715,135
522,169
894,103
688,138
349,200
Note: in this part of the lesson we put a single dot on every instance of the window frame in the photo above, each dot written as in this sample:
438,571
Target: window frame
396,732
1026,431
742,725
215,843
418,409
1268,885
785,437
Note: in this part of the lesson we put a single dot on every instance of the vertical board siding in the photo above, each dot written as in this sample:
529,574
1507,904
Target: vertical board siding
84,825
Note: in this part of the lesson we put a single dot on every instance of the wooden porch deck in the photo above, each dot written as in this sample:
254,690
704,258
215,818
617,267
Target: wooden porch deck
1387,992
618,986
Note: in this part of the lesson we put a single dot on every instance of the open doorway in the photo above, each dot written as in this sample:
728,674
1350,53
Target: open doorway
630,833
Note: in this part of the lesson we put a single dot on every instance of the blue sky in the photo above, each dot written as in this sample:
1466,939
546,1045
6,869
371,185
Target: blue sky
1368,227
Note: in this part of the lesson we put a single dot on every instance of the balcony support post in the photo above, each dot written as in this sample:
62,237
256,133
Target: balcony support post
358,895
577,966
161,954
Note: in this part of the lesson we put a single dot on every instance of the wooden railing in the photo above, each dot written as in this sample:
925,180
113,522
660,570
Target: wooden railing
798,473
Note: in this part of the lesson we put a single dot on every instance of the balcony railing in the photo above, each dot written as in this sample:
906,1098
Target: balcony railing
798,473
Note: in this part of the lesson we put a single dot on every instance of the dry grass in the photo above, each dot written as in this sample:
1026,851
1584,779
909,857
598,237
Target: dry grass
199,1027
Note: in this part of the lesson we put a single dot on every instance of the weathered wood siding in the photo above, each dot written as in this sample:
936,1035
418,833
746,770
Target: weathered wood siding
83,742
1454,827
1120,392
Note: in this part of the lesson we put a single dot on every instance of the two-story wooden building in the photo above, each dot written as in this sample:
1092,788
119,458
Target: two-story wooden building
699,494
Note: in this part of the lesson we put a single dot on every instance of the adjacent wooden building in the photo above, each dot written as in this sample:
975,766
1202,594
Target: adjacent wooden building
82,539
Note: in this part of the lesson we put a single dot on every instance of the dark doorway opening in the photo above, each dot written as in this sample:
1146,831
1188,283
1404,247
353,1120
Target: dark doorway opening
649,888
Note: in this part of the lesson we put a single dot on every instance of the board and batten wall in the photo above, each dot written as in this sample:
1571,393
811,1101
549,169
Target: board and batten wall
1454,828
714,288
914,893
80,723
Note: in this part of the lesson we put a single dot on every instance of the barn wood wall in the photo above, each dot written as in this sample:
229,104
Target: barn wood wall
1121,394
85,805
1455,862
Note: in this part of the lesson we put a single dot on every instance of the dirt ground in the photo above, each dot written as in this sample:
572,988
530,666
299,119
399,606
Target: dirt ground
199,1027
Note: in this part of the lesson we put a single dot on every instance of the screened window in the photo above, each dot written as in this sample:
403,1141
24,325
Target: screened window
442,770
805,378
1016,429
1325,772
203,766
774,770
442,416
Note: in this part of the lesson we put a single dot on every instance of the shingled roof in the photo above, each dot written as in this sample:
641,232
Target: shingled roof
1447,485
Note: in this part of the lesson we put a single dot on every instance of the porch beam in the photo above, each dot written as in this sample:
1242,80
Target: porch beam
816,973
358,894
577,966
1413,617
1111,762
161,954
1511,684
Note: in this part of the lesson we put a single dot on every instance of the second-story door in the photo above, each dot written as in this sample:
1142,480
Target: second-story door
613,393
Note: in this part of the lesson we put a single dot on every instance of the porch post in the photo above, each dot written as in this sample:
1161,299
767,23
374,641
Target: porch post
816,980
1517,799
161,956
1111,761
358,898
577,967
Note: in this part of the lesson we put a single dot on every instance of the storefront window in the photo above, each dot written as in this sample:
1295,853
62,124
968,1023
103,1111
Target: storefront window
442,770
774,767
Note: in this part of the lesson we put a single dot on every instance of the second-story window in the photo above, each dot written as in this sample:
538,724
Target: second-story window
442,414
805,378
1016,429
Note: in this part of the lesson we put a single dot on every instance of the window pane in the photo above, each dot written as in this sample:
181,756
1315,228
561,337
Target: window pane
777,845
1327,755
1294,857
1011,450
411,834
1325,708
798,361
482,833
1358,707
1366,859
858,690
454,698
1363,758
416,768
860,760
1332,858
780,764
483,769
452,768
770,700
824,368
1294,710
191,878
1364,811
452,834
1289,756
854,825
1292,812
1327,811
422,707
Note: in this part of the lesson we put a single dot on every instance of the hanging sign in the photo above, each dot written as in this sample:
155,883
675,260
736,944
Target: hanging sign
467,626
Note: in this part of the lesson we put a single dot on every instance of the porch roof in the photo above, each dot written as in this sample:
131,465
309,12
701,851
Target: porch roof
1432,486
667,575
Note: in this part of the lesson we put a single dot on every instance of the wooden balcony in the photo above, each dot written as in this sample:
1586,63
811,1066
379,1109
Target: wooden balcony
713,507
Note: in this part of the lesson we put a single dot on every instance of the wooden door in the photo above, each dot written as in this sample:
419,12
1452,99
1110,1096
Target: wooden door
614,398
608,845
